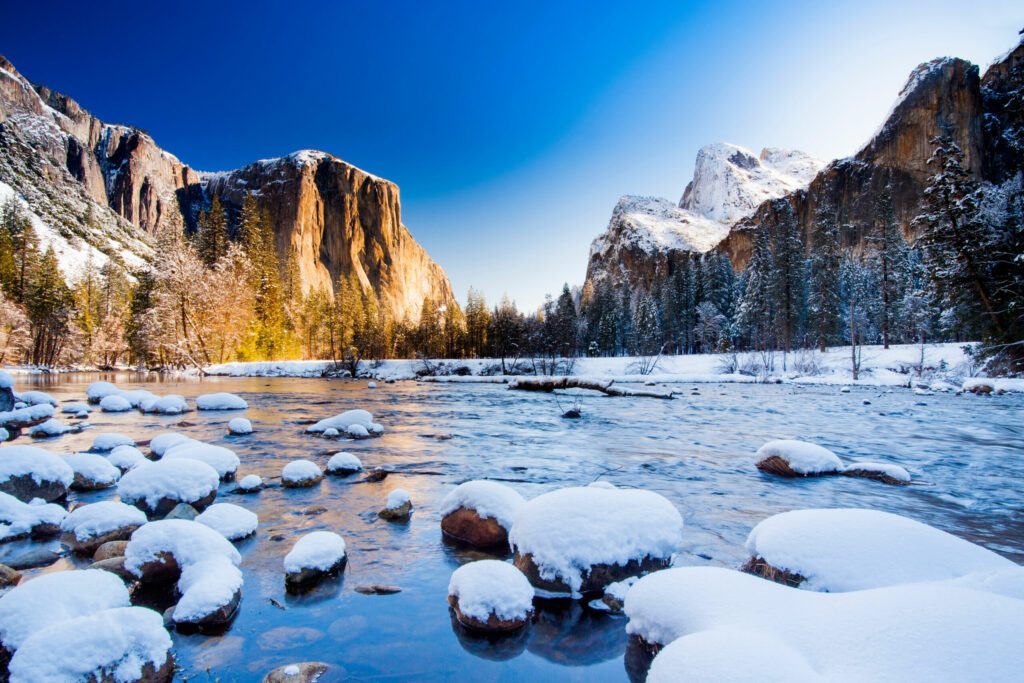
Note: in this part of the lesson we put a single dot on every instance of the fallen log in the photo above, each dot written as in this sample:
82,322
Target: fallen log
549,384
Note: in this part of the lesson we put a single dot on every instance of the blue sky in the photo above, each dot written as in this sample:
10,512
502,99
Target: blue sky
511,131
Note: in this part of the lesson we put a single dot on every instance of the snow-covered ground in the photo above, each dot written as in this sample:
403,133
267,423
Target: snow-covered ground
895,366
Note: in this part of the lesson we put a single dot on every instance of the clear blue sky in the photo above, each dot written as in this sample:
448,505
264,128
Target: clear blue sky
511,132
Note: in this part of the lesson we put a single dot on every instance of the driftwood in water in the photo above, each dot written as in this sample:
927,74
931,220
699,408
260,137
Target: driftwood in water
549,384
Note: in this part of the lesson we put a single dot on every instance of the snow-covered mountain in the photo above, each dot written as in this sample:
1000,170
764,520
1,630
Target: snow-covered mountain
729,182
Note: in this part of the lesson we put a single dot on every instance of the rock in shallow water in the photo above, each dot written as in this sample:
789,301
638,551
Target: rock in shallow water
302,672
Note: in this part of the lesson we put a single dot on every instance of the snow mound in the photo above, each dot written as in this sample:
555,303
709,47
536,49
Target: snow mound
36,398
171,404
344,463
854,549
104,517
397,498
115,403
320,550
18,519
298,471
49,599
125,457
490,587
113,644
914,632
219,458
206,586
76,407
802,457
979,385
97,391
183,480
879,469
239,426
221,401
187,541
92,471
161,443
26,415
250,483
109,441
52,427
488,498
343,421
357,431
39,464
569,531
233,522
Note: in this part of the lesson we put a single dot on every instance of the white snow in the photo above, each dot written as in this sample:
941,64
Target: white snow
1010,384
316,550
803,457
397,498
35,398
115,403
886,468
357,431
488,498
6,380
51,598
219,458
915,632
189,542
117,642
94,468
231,521
206,586
97,391
18,519
221,401
171,404
344,462
331,433
111,440
488,587
52,427
26,414
41,465
161,443
853,549
96,519
76,407
250,482
569,530
240,425
125,457
301,470
184,480
976,383
342,421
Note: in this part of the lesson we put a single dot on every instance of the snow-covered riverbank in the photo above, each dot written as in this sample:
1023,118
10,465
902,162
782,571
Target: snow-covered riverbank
899,365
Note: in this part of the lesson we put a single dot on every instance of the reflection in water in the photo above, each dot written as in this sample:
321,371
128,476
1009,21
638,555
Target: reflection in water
496,648
964,452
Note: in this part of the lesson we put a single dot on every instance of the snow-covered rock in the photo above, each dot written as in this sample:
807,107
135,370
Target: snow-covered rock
914,632
343,464
480,513
250,483
201,560
92,471
343,421
171,404
792,458
357,431
221,401
51,428
123,644
158,487
233,522
161,443
125,457
398,506
854,549
27,472
97,391
18,519
25,416
115,403
578,540
76,408
301,474
35,398
880,471
49,599
219,458
108,441
240,426
979,385
314,556
490,596
331,433
88,527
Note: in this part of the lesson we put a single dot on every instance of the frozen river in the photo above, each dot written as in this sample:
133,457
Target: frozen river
966,455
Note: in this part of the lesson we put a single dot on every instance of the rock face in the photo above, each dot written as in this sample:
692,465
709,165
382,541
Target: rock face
94,182
647,236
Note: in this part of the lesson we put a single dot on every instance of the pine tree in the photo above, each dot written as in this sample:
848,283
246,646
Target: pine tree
18,274
891,259
787,275
756,309
646,326
50,305
478,319
213,233
823,277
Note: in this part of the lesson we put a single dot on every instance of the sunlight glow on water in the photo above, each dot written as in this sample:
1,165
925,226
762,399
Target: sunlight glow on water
965,454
